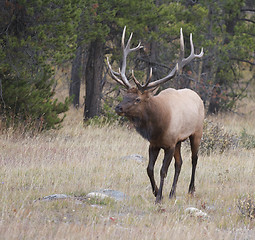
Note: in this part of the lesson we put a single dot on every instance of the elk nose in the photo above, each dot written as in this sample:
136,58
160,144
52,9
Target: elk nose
118,109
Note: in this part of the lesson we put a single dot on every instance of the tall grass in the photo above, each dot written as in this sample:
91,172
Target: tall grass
76,160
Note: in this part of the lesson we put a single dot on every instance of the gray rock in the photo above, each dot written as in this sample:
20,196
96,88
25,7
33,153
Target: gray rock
54,197
196,213
136,157
107,193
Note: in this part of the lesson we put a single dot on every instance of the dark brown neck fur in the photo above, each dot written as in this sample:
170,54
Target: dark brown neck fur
149,125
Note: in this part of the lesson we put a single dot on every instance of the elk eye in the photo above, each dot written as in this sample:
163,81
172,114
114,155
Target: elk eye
137,100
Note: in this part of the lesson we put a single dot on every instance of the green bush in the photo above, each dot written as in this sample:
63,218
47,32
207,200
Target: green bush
246,205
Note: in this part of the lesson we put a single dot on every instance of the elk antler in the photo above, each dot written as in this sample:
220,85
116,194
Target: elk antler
181,63
120,76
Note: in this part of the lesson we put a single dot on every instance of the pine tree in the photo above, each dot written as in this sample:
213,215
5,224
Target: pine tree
34,37
230,50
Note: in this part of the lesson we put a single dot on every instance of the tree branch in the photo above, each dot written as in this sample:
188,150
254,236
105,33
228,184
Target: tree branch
247,10
152,62
243,60
246,19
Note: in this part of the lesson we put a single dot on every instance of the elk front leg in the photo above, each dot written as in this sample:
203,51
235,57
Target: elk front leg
153,154
163,172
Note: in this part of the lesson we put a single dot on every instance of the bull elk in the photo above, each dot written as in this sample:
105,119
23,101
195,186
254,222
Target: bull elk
166,119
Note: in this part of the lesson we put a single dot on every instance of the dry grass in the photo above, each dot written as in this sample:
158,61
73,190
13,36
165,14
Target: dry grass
77,160
243,118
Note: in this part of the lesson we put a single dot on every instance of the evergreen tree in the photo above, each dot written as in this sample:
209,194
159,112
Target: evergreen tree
229,50
34,36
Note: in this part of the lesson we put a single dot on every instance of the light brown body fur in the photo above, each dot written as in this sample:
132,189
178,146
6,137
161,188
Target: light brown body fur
180,113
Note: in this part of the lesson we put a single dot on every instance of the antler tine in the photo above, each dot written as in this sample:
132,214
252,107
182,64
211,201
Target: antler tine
128,42
115,74
138,84
124,61
192,54
123,38
126,50
201,53
164,79
181,46
149,79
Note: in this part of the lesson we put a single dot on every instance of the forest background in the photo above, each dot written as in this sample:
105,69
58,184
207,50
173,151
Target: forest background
47,44
53,58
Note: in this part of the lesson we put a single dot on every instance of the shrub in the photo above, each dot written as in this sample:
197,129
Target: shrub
247,140
217,139
246,205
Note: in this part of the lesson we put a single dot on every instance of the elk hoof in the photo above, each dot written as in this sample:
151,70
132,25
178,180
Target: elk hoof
192,190
158,199
172,195
155,192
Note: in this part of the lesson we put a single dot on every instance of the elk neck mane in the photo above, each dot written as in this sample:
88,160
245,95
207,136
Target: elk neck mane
150,124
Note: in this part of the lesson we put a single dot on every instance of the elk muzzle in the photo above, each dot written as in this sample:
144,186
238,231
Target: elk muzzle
119,110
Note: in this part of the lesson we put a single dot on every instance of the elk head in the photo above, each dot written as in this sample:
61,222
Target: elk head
136,96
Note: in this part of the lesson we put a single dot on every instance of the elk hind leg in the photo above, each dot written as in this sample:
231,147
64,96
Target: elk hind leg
194,142
178,165
153,154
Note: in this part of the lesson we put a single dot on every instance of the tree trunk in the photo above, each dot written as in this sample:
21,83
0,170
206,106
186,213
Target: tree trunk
76,74
93,76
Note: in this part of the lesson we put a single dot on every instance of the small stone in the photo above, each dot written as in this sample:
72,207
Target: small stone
192,211
96,206
107,193
54,197
97,195
136,157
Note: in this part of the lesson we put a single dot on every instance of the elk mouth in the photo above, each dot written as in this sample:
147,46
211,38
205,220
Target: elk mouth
122,114
119,110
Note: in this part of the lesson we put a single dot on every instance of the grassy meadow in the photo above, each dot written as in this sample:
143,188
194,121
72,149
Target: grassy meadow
76,160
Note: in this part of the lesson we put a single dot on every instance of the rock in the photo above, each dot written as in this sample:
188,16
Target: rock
54,197
136,157
196,212
107,193
97,195
96,206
